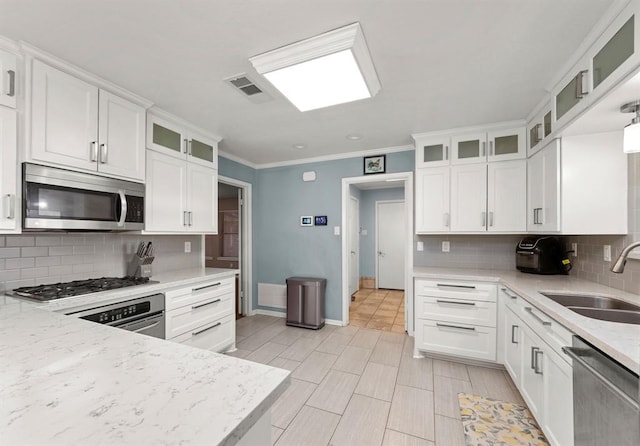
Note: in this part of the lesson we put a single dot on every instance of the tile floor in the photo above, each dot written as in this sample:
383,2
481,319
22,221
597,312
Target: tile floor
379,309
361,386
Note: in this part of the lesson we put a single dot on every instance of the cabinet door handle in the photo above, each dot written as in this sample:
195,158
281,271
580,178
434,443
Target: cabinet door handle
491,148
190,218
533,357
490,218
196,333
12,83
195,307
455,326
468,287
93,151
535,216
539,357
446,219
189,147
581,77
213,285
530,311
186,145
104,154
10,202
484,219
454,302
446,153
484,148
513,334
184,218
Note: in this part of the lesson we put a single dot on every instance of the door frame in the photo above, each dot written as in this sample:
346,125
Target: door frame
246,250
376,266
407,179
352,198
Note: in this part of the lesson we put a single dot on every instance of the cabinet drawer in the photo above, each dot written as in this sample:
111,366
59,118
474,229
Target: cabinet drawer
456,310
456,339
215,336
189,317
456,289
199,292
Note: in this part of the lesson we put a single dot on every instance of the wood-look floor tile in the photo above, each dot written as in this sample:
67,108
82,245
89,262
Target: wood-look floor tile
239,353
381,325
288,336
380,313
398,329
286,364
387,306
446,395
394,438
358,322
266,353
352,360
378,381
408,346
275,434
311,427
365,338
449,431
322,333
334,392
393,337
315,367
300,349
346,331
260,337
386,353
492,383
412,412
287,406
416,372
451,369
334,344
362,423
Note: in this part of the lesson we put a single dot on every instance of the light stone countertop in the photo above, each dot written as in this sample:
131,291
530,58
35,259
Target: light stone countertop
620,341
70,381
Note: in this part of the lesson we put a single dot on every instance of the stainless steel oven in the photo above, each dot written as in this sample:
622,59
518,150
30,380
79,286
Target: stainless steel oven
59,199
144,315
605,398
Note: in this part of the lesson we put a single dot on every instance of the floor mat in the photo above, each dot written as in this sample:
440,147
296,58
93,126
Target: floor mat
493,422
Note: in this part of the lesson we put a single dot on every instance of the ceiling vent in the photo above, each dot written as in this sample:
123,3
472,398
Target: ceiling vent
248,88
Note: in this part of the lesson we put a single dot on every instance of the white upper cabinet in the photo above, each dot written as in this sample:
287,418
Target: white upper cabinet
539,128
432,200
471,148
76,124
202,198
8,73
173,137
432,151
8,171
543,214
506,144
469,198
507,196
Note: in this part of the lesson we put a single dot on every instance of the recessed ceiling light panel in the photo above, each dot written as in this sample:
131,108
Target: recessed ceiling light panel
329,69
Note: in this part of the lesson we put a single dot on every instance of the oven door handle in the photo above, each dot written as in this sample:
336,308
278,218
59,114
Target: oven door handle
146,327
574,354
123,208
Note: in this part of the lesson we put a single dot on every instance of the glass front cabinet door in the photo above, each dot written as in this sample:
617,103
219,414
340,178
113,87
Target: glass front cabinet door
470,148
506,144
432,151
166,137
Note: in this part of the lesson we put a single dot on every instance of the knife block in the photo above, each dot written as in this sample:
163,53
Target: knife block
140,266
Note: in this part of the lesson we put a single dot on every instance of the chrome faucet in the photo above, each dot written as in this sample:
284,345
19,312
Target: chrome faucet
618,267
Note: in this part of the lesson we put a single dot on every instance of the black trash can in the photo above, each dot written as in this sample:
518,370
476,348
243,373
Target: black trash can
305,302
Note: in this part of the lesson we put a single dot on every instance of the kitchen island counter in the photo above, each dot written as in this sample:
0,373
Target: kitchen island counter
69,381
618,340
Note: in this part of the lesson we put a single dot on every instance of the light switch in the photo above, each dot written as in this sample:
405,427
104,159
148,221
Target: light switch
336,230
445,246
187,246
607,253
363,232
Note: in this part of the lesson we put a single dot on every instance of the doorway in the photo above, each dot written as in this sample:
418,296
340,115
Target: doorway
354,187
354,245
390,247
231,246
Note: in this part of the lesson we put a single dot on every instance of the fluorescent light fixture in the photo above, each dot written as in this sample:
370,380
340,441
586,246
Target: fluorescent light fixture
328,69
631,139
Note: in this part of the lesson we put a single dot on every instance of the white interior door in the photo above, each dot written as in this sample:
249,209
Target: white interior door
354,244
390,244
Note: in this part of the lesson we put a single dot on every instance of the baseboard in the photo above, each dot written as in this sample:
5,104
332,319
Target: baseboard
270,313
333,322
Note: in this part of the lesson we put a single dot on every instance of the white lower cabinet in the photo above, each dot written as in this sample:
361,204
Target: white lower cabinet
8,171
202,315
456,318
531,343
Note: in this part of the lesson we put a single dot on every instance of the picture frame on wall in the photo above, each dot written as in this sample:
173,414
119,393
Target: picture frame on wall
374,164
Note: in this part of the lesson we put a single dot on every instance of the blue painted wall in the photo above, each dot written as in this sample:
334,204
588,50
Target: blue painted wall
281,247
368,200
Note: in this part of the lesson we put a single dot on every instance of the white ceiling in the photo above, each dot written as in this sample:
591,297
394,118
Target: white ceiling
441,63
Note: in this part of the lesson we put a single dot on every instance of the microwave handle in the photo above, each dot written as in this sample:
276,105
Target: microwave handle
123,208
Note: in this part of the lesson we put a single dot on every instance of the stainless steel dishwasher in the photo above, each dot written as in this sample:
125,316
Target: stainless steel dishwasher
605,398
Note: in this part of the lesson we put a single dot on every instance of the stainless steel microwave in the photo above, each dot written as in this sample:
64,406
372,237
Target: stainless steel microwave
59,199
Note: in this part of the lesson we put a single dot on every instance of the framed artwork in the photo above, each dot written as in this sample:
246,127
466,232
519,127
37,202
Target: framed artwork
374,164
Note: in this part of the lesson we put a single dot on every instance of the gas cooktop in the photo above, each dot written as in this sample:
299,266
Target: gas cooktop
77,287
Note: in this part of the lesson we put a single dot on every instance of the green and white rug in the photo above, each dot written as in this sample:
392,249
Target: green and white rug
489,422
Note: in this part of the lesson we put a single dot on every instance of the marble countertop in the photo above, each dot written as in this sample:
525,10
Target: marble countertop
70,381
620,341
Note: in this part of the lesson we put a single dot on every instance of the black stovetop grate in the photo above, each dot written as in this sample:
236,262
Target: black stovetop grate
77,287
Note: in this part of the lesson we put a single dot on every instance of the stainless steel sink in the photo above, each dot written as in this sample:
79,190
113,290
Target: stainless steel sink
578,300
599,307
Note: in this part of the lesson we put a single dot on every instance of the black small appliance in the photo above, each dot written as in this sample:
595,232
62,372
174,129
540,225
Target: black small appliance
542,255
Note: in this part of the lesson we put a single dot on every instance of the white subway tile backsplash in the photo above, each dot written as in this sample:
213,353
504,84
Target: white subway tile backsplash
47,261
84,249
32,273
28,262
48,240
20,240
6,253
34,251
60,270
60,250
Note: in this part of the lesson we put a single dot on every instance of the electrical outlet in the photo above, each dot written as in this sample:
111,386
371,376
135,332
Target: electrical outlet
607,253
187,247
445,246
336,230
574,248
420,246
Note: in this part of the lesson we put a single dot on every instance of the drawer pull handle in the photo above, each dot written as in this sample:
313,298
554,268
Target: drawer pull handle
196,333
456,326
530,311
454,302
195,307
468,287
12,83
513,334
506,291
193,290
